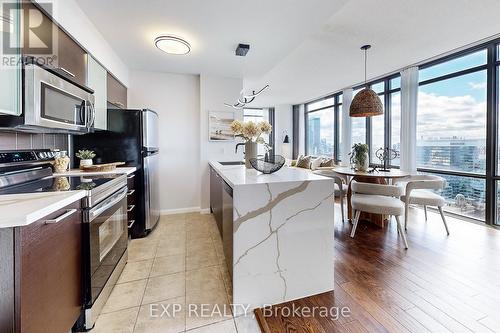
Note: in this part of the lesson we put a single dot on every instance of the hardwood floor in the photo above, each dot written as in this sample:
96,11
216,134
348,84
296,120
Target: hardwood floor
440,284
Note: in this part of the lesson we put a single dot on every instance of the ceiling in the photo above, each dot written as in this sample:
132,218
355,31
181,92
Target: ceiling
303,49
402,33
213,28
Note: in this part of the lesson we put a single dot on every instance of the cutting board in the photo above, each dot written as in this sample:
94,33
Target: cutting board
101,167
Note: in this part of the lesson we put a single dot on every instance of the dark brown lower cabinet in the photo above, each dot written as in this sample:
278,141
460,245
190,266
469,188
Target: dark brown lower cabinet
42,273
216,198
227,225
221,206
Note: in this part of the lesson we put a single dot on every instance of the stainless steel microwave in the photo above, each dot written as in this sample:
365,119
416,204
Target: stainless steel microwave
52,103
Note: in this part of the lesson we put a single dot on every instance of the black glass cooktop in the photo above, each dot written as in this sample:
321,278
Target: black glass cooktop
61,183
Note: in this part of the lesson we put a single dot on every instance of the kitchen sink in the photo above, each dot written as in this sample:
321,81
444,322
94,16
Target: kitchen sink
233,163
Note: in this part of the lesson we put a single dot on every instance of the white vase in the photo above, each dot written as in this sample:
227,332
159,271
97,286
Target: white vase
363,167
85,163
250,152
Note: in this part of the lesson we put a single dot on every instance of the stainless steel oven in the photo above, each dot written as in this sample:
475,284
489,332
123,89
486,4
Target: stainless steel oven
54,102
105,226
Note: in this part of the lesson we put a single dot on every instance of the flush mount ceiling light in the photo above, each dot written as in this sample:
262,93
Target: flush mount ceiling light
172,45
366,103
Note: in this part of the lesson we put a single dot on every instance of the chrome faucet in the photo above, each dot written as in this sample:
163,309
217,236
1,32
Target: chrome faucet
236,149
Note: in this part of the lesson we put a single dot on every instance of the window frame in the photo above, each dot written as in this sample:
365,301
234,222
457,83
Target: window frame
490,176
386,96
337,109
271,120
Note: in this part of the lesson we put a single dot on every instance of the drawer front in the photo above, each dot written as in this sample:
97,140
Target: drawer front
131,181
50,269
131,212
131,197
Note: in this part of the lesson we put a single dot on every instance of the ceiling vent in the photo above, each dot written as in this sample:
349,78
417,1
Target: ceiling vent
242,50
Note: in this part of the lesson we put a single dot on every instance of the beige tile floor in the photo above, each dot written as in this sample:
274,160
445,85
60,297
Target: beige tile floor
180,263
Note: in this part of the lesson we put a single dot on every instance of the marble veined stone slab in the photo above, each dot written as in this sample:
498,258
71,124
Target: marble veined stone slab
283,241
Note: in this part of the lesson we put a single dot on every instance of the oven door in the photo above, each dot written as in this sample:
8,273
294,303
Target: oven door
55,103
108,239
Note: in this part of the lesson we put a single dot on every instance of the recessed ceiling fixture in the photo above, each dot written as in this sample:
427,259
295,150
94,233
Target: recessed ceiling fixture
366,103
172,44
242,50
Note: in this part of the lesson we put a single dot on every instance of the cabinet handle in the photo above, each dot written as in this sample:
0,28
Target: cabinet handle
66,71
64,216
92,110
130,208
130,192
130,223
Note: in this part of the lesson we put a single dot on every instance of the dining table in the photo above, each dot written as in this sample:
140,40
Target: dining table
373,175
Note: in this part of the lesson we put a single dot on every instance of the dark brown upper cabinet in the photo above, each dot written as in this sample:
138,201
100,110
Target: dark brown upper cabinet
70,57
117,92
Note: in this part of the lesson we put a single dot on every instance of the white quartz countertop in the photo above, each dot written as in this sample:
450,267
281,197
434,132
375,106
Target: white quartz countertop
23,209
78,172
238,175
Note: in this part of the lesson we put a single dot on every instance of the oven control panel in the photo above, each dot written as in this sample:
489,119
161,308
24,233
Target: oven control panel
26,156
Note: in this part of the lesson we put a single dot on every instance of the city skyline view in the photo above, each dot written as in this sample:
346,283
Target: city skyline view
451,129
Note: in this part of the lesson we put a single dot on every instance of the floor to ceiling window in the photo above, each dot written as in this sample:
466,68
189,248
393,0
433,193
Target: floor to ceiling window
383,130
358,125
257,115
377,124
496,140
451,130
458,127
322,126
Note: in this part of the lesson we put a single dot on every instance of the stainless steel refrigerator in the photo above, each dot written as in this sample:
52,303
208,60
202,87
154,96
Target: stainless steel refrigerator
151,164
132,137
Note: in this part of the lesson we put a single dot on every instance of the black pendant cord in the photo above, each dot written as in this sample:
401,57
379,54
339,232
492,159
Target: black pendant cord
365,66
365,48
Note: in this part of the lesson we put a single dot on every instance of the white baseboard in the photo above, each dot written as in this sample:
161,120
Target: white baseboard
180,211
205,211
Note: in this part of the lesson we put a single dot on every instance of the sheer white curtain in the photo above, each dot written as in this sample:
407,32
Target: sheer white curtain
346,127
409,97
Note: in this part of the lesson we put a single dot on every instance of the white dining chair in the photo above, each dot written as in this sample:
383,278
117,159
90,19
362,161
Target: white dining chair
419,191
377,199
340,186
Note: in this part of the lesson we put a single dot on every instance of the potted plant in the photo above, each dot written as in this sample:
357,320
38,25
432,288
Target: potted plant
85,157
251,133
359,157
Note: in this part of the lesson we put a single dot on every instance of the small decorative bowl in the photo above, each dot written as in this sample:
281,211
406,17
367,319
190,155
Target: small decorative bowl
272,164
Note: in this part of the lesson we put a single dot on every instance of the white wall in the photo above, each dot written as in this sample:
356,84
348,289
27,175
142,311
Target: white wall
214,92
283,124
70,16
176,98
183,102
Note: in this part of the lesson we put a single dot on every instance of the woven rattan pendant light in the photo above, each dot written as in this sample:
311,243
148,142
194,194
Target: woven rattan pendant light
366,103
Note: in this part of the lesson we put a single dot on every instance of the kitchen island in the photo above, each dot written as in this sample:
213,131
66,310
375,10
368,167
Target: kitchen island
277,233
